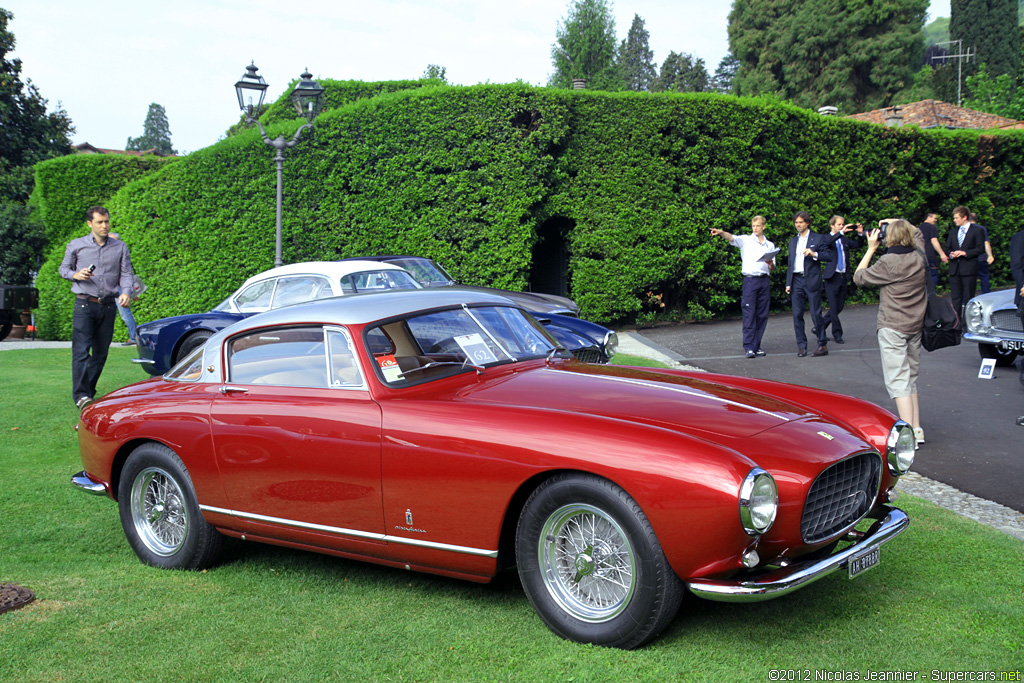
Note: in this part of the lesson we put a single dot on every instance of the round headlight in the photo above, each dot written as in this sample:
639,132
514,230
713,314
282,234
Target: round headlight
974,315
759,501
900,448
611,343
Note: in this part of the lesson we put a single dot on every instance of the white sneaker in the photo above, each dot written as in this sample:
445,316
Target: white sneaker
919,434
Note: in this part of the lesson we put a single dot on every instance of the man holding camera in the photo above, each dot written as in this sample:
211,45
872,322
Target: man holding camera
100,270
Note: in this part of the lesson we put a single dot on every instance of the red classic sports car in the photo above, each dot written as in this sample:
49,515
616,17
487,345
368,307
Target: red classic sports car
447,432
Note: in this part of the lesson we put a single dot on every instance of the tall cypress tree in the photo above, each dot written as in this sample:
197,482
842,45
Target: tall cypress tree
855,56
156,133
585,47
636,60
988,28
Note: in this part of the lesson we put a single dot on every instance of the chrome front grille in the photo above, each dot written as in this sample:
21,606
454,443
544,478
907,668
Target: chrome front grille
1007,320
589,354
840,496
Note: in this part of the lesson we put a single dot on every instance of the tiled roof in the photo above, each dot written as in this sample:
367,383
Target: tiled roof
86,148
936,114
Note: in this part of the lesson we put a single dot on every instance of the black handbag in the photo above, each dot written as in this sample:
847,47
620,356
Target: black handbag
941,321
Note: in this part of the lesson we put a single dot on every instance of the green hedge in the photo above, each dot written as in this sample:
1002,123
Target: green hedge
471,176
65,188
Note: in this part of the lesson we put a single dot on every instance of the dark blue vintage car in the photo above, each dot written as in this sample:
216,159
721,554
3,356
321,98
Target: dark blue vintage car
162,343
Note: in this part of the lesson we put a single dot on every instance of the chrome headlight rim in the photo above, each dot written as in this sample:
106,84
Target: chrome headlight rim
975,315
755,521
900,448
611,343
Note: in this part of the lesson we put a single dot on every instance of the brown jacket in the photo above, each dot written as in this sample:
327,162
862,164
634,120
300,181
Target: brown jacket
904,296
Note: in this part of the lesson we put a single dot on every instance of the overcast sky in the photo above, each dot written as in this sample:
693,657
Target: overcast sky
105,61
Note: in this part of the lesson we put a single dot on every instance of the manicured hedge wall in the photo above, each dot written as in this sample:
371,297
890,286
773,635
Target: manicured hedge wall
470,175
65,188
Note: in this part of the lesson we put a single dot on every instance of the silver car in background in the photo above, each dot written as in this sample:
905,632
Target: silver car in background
992,322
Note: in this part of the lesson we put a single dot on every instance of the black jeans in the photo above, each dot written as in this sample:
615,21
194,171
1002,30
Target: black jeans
92,328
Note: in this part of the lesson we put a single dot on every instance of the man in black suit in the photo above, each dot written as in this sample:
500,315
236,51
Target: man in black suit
1017,268
963,246
807,251
843,240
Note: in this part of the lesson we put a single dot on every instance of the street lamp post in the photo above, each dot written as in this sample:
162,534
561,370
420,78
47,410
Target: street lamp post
307,98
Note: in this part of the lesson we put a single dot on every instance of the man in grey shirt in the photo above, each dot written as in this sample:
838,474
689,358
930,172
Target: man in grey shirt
100,270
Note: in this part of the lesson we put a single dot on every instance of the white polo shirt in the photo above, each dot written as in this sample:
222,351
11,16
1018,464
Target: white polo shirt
750,251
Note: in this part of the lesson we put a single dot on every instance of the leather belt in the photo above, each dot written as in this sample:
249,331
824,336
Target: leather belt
760,275
96,299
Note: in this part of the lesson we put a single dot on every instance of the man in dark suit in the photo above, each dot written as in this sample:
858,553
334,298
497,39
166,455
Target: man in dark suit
1017,268
963,246
843,240
807,251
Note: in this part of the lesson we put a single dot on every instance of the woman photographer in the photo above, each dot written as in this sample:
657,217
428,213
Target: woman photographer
903,300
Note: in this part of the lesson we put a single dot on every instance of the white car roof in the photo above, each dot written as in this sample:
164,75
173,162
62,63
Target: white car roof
331,269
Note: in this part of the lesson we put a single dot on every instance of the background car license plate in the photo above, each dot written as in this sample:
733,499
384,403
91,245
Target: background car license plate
1010,345
863,562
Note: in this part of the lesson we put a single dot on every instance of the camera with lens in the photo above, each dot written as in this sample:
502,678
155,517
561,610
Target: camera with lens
882,227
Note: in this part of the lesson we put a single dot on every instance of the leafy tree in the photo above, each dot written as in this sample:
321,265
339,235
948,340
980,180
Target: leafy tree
997,95
989,28
937,31
636,59
854,56
682,72
156,133
585,47
725,74
28,134
434,72
22,238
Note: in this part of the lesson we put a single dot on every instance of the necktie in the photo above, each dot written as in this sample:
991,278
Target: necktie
841,261
962,234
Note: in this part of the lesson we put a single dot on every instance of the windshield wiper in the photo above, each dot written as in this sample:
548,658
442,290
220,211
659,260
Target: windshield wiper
437,363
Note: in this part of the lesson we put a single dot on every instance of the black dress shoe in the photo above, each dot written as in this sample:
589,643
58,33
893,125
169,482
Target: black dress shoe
801,352
759,352
820,351
839,340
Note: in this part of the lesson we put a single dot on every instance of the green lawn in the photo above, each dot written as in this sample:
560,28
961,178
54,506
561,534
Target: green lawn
948,595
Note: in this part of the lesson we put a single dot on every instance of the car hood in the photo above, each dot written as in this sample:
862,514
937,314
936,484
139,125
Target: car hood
531,301
686,403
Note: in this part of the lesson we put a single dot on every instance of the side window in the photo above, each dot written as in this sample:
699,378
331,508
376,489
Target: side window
344,370
255,297
297,289
295,357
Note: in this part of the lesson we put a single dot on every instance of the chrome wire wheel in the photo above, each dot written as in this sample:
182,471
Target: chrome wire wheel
587,563
158,511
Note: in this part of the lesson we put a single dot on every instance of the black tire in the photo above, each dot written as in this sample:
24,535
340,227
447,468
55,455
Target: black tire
160,514
1004,358
591,564
192,342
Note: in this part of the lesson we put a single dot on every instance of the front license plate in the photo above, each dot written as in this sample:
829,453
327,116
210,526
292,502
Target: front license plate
863,562
1012,345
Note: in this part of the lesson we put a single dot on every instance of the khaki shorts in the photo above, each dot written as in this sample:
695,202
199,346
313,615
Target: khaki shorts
901,361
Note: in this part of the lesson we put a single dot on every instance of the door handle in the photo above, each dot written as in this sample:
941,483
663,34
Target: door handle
233,390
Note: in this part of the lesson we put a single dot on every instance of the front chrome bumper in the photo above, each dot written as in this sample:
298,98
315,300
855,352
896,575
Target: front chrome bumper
779,582
88,484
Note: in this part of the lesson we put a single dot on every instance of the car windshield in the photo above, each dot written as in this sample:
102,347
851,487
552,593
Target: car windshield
377,281
444,343
426,271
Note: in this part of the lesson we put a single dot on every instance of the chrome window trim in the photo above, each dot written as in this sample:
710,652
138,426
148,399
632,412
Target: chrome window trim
354,533
362,386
